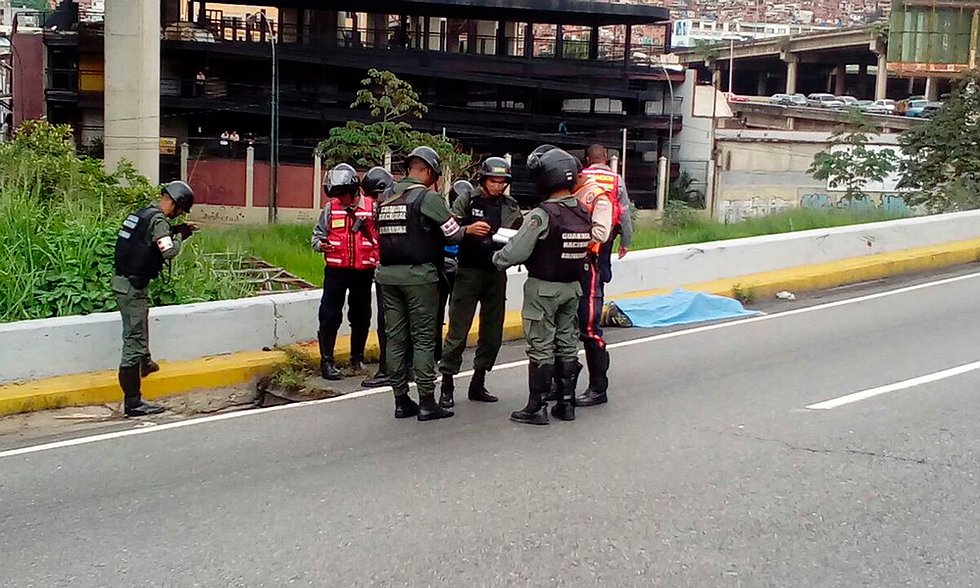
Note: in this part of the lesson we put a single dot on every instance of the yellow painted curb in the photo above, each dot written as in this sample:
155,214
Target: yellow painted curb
228,370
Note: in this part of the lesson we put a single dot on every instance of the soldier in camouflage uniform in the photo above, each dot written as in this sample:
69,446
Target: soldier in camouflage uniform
146,240
479,282
552,243
414,224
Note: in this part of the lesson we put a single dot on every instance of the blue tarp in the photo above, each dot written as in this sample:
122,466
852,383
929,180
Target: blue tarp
680,307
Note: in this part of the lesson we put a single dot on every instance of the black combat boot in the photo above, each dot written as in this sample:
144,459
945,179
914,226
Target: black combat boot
405,407
552,394
379,379
538,381
595,394
328,370
429,410
148,366
358,341
478,390
133,405
567,371
446,392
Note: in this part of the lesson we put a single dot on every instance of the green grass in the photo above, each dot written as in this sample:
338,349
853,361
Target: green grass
684,228
286,246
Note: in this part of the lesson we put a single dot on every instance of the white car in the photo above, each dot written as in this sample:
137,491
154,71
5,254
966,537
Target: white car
879,107
821,100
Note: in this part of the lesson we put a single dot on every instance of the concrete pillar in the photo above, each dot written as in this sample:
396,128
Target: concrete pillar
762,84
378,24
932,89
716,78
792,67
594,43
169,11
862,88
881,77
249,177
185,151
132,88
662,184
559,41
840,80
528,40
614,163
317,179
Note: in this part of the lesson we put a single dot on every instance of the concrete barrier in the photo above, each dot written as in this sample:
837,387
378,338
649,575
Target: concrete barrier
69,345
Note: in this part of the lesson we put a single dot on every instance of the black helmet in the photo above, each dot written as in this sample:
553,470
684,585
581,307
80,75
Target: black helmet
460,188
554,170
429,156
181,194
342,179
538,152
494,167
377,181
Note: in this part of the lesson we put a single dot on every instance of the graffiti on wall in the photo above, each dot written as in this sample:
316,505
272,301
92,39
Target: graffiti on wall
736,210
890,203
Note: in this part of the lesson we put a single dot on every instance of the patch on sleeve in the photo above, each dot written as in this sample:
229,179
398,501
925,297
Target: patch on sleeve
165,244
450,227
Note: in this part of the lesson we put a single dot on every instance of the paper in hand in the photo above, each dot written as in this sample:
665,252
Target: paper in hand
504,235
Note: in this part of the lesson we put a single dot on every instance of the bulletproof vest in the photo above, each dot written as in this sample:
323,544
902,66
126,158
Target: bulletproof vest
474,252
136,253
561,256
405,238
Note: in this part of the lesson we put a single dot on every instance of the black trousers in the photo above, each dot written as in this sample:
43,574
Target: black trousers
354,286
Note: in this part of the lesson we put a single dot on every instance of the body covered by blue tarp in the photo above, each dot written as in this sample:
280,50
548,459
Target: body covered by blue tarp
680,307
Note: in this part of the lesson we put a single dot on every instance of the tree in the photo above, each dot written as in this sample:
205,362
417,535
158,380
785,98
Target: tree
942,156
848,162
390,101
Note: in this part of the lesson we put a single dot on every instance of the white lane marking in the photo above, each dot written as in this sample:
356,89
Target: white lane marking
903,385
511,365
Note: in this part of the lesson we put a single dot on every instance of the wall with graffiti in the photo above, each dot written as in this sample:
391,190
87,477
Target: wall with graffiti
733,210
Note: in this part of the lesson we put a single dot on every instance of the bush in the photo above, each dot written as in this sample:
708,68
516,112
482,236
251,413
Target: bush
59,216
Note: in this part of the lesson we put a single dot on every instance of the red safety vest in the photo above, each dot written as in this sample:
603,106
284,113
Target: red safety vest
609,181
350,249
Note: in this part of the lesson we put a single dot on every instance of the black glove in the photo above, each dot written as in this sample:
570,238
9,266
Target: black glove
185,231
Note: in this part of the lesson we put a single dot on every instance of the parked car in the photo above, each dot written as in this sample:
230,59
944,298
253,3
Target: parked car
931,109
736,98
788,99
915,107
879,107
848,100
820,100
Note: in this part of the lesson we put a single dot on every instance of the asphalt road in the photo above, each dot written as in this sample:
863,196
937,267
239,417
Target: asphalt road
706,469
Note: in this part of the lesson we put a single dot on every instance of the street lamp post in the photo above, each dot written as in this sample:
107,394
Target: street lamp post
273,123
731,66
670,131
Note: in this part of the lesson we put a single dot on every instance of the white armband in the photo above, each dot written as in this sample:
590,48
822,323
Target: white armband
165,244
450,227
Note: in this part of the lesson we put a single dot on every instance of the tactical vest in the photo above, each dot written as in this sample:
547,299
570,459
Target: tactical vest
405,238
476,252
609,181
562,255
136,253
352,242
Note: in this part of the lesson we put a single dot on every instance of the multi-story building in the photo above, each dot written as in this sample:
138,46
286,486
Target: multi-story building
500,79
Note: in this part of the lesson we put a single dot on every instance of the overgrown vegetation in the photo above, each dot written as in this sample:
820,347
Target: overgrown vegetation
391,102
683,225
942,155
59,216
284,245
848,163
